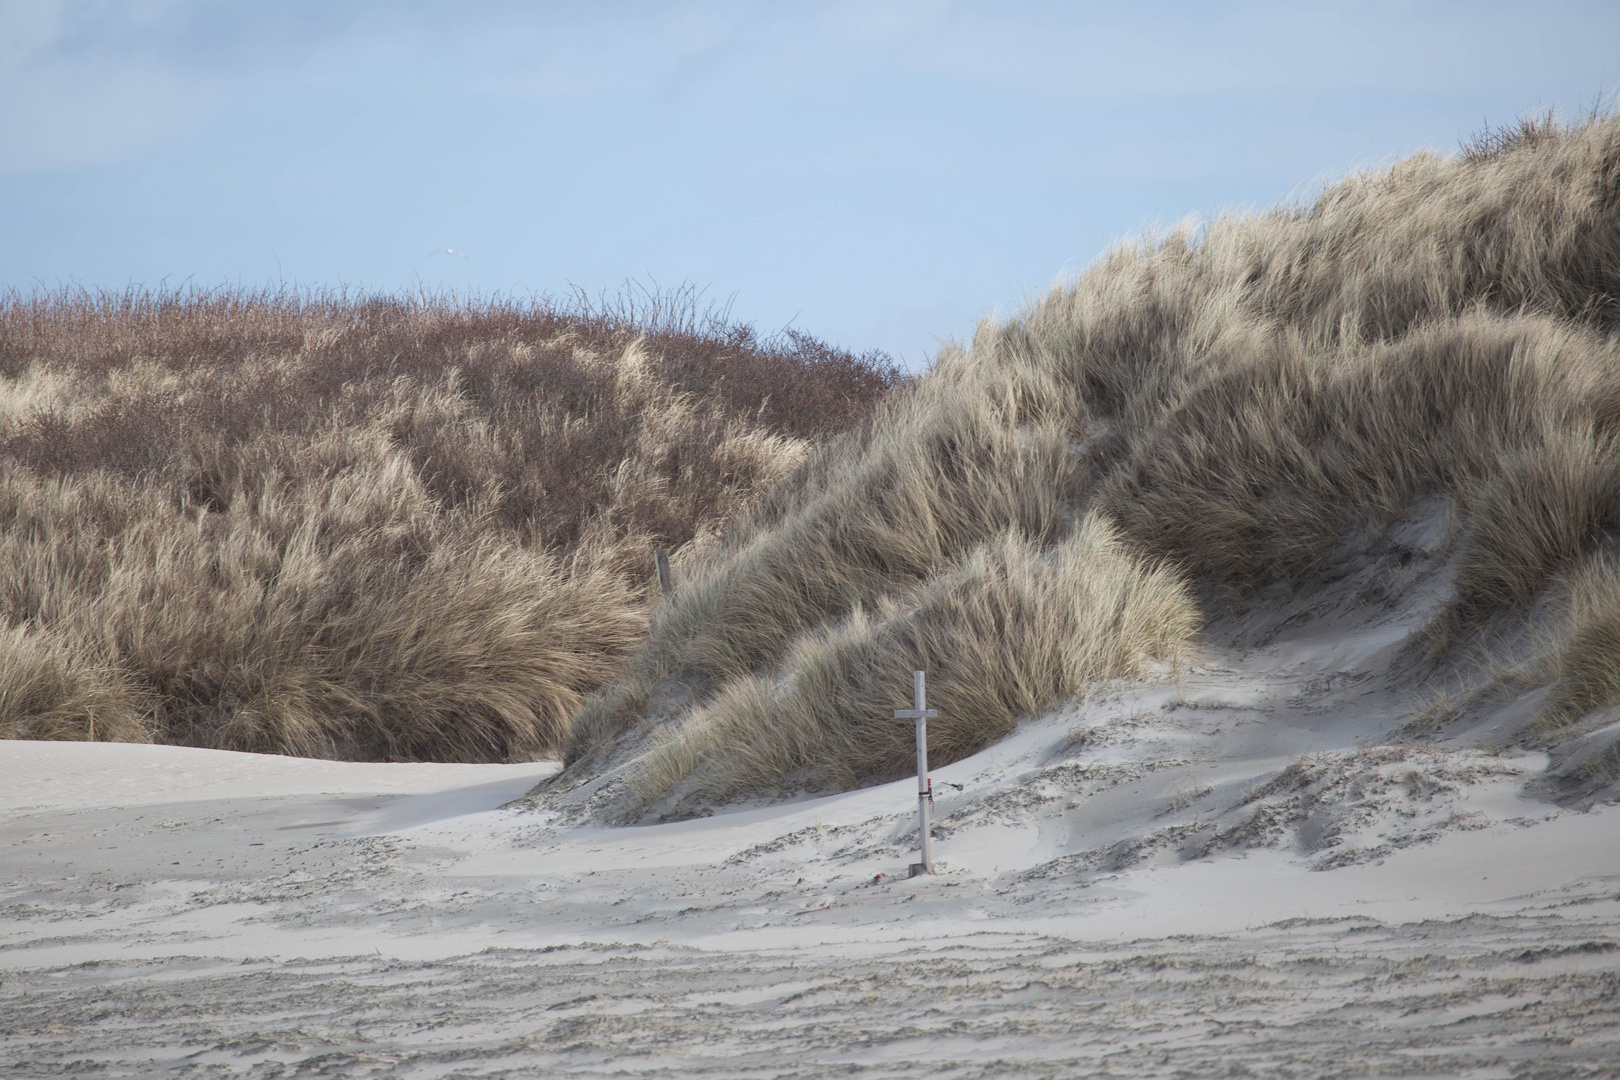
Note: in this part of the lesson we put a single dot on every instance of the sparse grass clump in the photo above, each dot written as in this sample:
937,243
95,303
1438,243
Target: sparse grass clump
1227,407
1588,661
1010,630
366,528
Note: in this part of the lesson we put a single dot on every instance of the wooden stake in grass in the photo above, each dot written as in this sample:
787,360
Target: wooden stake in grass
666,583
925,786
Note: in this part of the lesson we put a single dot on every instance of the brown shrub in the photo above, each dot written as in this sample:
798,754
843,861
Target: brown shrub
366,527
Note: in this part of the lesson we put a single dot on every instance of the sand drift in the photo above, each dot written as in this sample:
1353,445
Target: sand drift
1178,876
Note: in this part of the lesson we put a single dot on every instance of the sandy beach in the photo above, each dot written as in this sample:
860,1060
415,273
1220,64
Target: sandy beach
1218,871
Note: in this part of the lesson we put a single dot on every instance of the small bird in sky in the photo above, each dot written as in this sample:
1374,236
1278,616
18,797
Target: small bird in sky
457,252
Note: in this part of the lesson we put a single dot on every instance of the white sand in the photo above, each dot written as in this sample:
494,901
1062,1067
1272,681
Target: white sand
1158,898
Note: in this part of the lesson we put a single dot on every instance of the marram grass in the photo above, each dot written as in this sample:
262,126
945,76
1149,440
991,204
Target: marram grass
1193,418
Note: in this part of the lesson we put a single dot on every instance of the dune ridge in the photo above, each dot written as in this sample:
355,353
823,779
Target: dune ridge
1230,407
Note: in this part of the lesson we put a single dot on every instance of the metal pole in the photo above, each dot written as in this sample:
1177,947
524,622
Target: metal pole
925,786
925,789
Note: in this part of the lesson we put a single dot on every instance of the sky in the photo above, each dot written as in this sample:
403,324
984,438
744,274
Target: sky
880,175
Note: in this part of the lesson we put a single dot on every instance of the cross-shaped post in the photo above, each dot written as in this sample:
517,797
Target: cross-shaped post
925,786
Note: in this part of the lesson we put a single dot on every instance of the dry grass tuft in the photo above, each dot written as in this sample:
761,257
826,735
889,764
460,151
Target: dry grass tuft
1008,631
365,527
1549,503
1588,661
938,473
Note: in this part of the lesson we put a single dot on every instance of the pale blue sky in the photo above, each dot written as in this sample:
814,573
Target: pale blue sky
879,174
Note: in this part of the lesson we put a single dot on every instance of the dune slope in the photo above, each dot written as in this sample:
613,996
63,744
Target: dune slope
1142,463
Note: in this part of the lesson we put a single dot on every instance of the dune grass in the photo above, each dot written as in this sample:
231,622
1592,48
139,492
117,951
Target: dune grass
1010,630
380,528
367,527
1225,407
1588,662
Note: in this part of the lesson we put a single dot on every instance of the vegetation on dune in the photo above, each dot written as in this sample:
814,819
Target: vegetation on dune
378,528
1001,632
367,527
1202,415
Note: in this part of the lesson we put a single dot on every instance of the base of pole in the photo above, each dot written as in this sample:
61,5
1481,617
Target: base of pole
920,868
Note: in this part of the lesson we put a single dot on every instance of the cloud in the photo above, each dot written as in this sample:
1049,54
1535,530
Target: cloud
64,102
84,81
58,107
1165,50
88,81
